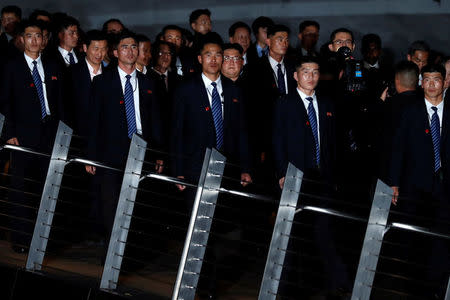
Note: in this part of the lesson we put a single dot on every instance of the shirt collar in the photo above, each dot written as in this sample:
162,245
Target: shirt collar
368,66
274,63
91,69
122,74
304,96
259,48
208,81
64,52
30,60
440,106
165,73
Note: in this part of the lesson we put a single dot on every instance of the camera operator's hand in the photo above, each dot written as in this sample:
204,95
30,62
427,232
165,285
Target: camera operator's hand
385,94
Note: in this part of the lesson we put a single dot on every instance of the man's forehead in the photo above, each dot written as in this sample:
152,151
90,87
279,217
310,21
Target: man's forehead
32,29
173,32
231,52
432,75
308,66
127,41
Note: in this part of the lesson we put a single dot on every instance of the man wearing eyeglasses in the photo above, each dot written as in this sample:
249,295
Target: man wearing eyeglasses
341,37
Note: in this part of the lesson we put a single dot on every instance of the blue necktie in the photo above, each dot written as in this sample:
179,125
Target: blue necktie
38,83
129,108
436,137
313,122
71,59
216,108
280,78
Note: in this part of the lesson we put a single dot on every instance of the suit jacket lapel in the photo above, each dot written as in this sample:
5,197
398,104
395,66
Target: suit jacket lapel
227,103
322,119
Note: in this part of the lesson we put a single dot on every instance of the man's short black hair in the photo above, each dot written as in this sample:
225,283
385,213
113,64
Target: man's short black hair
66,22
369,39
418,46
105,25
333,34
272,30
197,13
24,24
307,23
433,68
94,35
261,22
124,34
235,26
141,38
39,12
171,27
306,60
12,9
209,38
408,74
156,48
234,46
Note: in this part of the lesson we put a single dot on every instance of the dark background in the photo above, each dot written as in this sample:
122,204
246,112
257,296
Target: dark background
398,22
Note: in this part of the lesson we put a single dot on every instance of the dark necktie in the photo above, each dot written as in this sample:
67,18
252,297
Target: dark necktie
163,77
313,121
265,51
216,108
38,84
280,78
71,59
129,107
436,137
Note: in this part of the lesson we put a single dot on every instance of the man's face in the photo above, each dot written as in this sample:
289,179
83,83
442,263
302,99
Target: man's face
232,63
32,40
341,39
202,24
114,27
420,58
164,57
447,75
309,37
9,22
174,37
127,51
145,54
262,35
69,37
96,51
278,43
242,37
307,76
373,53
211,59
45,36
432,84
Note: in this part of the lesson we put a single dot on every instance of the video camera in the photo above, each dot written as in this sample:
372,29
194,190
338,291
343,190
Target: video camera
355,81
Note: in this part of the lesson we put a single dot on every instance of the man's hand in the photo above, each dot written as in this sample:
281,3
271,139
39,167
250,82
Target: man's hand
13,141
245,179
281,182
384,94
394,194
159,166
180,186
90,169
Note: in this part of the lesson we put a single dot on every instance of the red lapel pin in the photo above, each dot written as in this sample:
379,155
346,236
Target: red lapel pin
31,84
307,123
235,100
121,102
149,92
54,78
427,131
329,114
207,108
191,70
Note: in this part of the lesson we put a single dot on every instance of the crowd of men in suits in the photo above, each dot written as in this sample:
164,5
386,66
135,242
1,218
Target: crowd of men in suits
263,104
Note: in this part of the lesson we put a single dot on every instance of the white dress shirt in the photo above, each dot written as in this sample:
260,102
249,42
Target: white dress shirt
179,66
166,78
65,55
274,65
144,70
135,86
91,70
440,110
40,68
316,108
244,57
210,88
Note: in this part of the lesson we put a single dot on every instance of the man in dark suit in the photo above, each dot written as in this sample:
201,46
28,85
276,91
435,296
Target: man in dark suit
259,48
304,134
65,51
80,78
308,35
209,114
30,99
419,170
10,17
271,78
240,33
122,104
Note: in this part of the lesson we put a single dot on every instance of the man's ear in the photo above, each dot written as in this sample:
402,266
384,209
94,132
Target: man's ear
296,76
200,59
330,46
116,53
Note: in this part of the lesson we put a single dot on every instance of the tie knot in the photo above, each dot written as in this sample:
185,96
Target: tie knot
214,84
279,66
34,62
434,108
310,99
128,77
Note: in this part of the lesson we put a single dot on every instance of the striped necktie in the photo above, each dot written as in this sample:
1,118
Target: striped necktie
280,78
313,121
40,91
129,107
71,59
216,108
436,137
